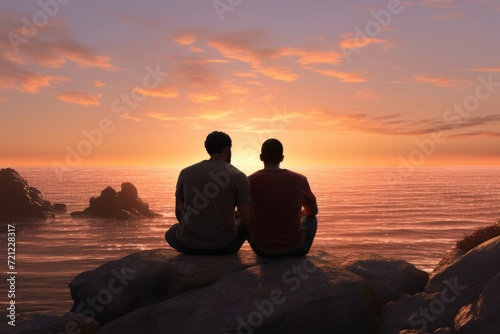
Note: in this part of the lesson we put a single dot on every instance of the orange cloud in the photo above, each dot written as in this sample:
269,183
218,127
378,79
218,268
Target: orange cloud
99,84
234,89
203,97
244,74
485,69
363,94
161,116
14,77
441,81
242,46
351,41
342,76
161,92
278,73
196,49
214,115
185,39
57,53
79,98
310,57
130,117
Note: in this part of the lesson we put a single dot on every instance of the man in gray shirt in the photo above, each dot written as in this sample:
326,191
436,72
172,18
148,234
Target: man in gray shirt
207,194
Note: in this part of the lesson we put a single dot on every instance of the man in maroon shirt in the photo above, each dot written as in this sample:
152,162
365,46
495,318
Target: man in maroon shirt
284,206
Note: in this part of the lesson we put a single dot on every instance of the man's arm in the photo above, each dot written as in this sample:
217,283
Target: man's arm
179,207
310,207
246,214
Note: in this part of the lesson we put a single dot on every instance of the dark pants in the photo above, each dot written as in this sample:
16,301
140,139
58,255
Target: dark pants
231,248
310,225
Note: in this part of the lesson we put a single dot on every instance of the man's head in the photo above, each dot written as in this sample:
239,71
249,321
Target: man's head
218,143
272,151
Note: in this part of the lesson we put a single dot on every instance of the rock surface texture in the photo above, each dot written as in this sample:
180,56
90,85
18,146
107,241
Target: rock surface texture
462,296
162,291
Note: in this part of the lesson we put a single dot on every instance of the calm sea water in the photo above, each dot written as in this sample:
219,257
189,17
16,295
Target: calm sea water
416,216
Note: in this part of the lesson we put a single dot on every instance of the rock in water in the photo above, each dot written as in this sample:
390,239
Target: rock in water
59,208
122,205
131,202
19,200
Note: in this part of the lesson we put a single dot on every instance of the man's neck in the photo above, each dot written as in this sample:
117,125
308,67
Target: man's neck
270,166
217,157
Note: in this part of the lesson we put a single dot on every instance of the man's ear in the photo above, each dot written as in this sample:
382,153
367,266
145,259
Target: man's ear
282,157
260,156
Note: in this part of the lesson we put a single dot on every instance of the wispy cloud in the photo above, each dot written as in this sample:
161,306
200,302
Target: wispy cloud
449,16
202,97
351,41
442,81
130,117
364,94
79,98
14,77
443,4
161,116
311,57
343,76
164,92
485,69
278,73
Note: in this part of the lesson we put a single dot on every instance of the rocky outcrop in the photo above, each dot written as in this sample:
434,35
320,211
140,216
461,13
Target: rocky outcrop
49,322
123,205
19,200
462,296
59,208
162,291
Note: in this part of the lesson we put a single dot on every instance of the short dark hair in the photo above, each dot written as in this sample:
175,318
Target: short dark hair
216,142
272,151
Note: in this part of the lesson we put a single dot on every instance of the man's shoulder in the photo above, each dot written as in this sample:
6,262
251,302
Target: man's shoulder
234,171
210,167
194,166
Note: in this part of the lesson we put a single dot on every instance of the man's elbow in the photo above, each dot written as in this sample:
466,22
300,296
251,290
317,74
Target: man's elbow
312,210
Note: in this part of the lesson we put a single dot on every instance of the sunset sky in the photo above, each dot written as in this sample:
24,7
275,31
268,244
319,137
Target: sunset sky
348,83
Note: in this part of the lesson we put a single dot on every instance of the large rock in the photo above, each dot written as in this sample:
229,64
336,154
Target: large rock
19,200
122,205
461,296
49,322
389,277
162,291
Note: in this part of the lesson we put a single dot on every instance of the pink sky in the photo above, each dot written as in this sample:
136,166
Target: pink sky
338,82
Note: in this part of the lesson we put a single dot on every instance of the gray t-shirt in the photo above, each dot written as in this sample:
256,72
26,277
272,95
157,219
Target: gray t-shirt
210,191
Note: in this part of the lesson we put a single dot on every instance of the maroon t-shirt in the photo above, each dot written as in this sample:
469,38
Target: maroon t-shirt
278,197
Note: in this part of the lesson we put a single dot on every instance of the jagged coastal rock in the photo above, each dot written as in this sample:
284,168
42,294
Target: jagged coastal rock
122,205
162,291
462,296
20,201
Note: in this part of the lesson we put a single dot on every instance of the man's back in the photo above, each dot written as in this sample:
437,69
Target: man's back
278,196
209,191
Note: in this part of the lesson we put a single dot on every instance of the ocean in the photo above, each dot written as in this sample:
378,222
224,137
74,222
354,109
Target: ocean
416,215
